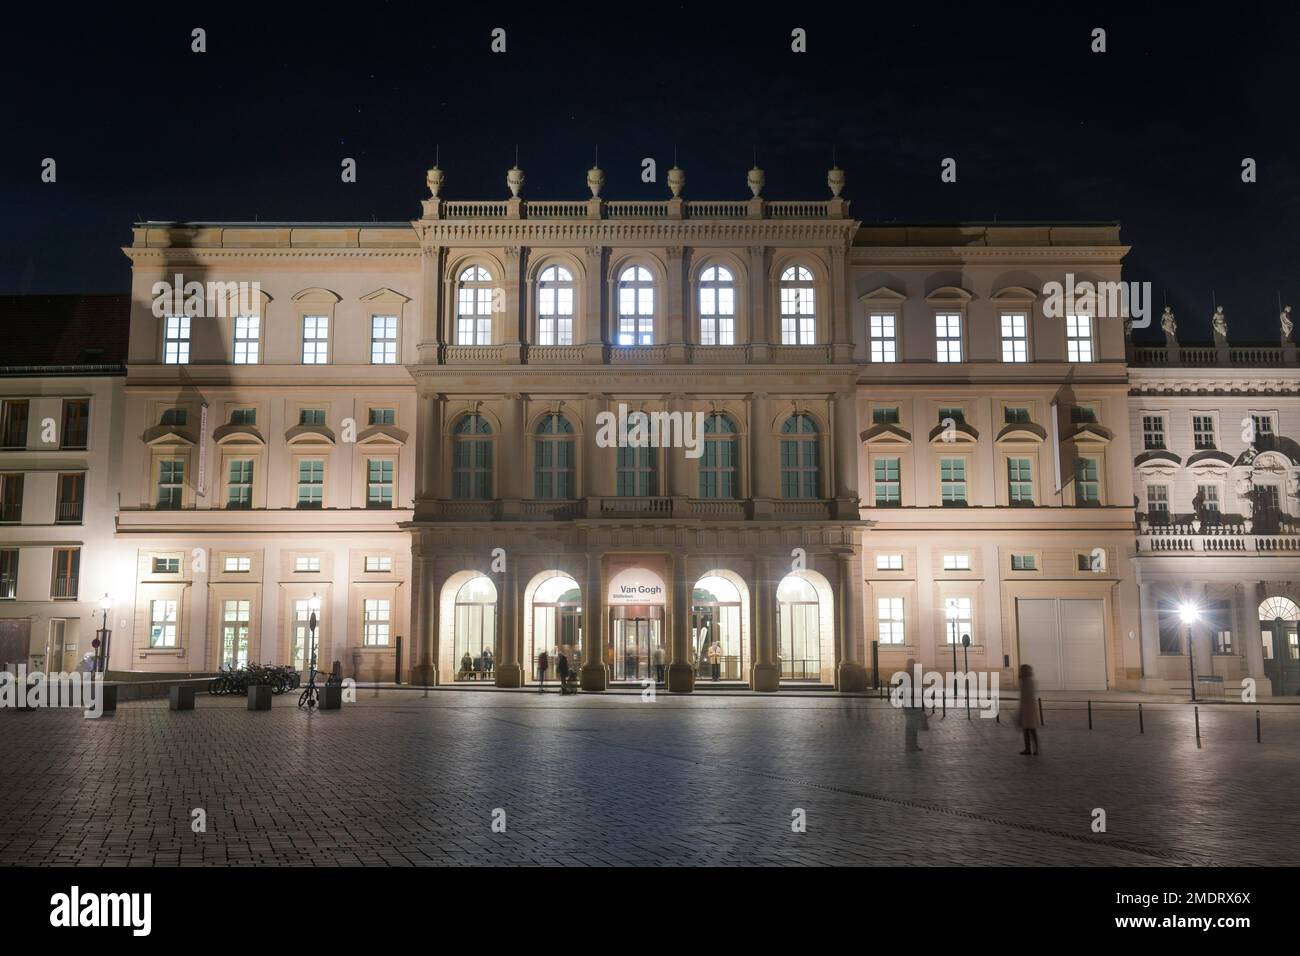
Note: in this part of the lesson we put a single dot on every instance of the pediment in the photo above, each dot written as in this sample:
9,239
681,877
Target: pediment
886,434
238,435
1014,293
161,435
309,435
1023,432
961,432
382,435
949,295
882,294
1156,459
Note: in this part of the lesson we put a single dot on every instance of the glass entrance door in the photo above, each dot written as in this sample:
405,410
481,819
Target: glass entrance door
1282,656
636,640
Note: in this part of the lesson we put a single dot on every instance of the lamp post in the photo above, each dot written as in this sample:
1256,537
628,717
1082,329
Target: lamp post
311,693
1188,613
965,663
102,635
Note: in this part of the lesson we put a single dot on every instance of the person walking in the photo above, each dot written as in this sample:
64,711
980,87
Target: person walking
715,659
659,665
914,719
562,671
1029,722
543,662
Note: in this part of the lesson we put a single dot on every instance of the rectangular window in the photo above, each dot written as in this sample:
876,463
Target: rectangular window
1015,337
76,424
958,619
1169,626
311,483
162,623
1083,562
635,472
176,340
307,563
958,415
8,574
947,337
1082,414
952,481
248,332
1218,621
1207,499
1078,338
311,416
884,337
1157,499
956,562
1203,432
238,563
1087,481
1153,432
13,425
375,627
888,481
383,340
239,488
67,569
315,339
174,417
1024,562
72,499
11,499
379,483
1263,425
1015,415
884,416
889,562
889,620
166,565
379,562
1020,482
243,416
383,416
171,483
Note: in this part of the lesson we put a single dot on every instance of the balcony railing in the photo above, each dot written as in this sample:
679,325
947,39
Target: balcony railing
69,512
8,587
633,209
1217,533
64,588
1209,356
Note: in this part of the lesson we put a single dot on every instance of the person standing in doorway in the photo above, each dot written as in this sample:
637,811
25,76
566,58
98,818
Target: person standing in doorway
543,662
562,671
659,665
715,659
1029,721
487,663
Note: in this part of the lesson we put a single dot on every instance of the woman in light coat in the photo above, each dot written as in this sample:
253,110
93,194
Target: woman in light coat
1029,721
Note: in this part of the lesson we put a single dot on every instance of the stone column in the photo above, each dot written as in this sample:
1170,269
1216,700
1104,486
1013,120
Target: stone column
767,673
511,476
428,336
847,445
424,619
1149,631
1245,597
763,462
428,437
508,671
599,463
592,303
681,673
841,305
679,485
594,677
512,320
759,335
851,674
673,312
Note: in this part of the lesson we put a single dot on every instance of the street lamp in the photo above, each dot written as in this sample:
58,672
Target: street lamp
965,663
103,634
1189,614
310,693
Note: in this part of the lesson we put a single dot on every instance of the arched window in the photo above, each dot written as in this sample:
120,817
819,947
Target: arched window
471,471
636,307
800,458
475,638
637,472
798,307
554,469
1279,608
555,307
474,307
717,307
799,629
719,476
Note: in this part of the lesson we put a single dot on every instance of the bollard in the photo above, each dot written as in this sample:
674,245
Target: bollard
1196,713
108,697
1142,729
1090,715
1041,722
331,697
1257,740
945,703
259,697
180,697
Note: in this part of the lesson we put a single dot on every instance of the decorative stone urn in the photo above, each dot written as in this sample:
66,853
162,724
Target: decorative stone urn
676,180
595,180
756,180
835,180
515,180
434,178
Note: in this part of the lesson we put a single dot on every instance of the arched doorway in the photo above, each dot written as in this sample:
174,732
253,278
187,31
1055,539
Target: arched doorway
469,651
554,620
719,615
637,650
1279,629
805,628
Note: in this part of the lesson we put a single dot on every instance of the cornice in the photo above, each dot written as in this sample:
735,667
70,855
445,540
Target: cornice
927,254
614,232
185,254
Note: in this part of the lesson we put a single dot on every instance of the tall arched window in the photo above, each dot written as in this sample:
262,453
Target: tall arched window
475,637
719,476
636,307
800,458
555,307
799,629
471,470
717,307
798,307
474,307
554,469
637,472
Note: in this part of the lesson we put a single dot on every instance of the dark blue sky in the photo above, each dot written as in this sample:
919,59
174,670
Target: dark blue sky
1151,133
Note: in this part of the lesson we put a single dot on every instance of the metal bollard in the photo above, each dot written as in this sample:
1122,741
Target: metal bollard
1040,712
1257,740
1090,715
1142,729
1196,713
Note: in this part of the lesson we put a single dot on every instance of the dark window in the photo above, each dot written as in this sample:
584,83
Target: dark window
9,574
67,567
11,499
72,495
13,425
76,423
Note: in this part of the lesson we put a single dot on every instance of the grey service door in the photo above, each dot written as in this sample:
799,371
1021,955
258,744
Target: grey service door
1064,640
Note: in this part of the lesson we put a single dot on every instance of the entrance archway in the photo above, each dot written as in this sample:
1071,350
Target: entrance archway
467,628
806,627
1279,629
552,622
720,614
638,647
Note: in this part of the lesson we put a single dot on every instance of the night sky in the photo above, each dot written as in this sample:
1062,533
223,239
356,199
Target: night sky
1151,133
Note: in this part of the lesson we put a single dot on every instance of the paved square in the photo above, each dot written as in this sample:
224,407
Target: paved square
408,779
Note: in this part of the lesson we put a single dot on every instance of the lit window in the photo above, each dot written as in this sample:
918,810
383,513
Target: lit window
1020,482
162,623
239,487
719,467
947,337
890,620
889,562
309,563
888,482
383,340
555,307
375,626
176,344
379,483
798,307
958,620
717,307
1078,338
956,562
247,339
884,337
471,466
166,565
1024,562
315,339
952,481
238,563
171,483
474,307
1087,481
379,562
311,483
1015,341
636,307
